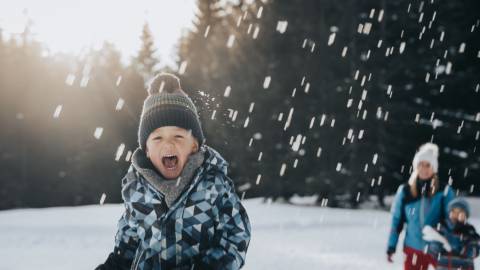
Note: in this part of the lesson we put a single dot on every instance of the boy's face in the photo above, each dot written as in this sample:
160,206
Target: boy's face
168,149
425,170
458,215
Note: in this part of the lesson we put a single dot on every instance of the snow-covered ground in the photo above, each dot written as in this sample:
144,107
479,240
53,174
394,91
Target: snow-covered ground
283,237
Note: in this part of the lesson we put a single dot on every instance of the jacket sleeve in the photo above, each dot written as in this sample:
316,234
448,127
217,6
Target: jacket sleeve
232,233
472,248
398,220
126,239
472,244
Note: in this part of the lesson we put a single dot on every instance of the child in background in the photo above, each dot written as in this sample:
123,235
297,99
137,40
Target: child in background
456,243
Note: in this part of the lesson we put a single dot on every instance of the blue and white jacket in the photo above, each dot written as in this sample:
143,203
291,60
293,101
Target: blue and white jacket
205,228
416,213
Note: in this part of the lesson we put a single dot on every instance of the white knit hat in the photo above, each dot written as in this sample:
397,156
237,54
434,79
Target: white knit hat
427,152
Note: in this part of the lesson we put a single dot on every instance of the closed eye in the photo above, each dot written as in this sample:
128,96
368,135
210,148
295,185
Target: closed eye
179,136
157,138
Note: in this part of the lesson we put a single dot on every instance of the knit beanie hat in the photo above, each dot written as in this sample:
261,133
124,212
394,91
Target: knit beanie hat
168,105
459,203
429,153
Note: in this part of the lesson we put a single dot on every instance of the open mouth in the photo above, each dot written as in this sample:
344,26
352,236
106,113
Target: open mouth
170,162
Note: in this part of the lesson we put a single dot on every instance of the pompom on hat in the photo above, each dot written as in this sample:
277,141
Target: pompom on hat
168,105
427,152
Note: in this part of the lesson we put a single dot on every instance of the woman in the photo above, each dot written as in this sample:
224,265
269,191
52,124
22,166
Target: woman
419,203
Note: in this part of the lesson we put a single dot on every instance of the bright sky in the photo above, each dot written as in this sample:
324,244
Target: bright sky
69,26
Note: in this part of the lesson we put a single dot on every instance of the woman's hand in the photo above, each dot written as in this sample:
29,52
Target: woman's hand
390,253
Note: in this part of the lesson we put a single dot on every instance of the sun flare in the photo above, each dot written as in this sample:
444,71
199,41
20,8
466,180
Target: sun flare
70,26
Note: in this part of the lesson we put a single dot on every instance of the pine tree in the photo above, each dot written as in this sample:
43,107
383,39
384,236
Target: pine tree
146,61
200,48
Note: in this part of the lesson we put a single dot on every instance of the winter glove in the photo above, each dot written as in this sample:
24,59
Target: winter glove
115,262
390,252
430,234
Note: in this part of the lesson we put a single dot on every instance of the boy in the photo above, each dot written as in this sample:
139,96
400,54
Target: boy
456,244
181,210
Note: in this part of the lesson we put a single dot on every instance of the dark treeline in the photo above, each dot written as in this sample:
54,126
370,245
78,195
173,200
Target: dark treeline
312,97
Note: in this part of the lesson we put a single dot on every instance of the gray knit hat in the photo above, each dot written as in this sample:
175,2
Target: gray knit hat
168,105
459,203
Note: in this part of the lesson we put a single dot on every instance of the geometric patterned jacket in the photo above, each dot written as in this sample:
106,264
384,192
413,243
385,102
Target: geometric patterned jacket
205,228
465,243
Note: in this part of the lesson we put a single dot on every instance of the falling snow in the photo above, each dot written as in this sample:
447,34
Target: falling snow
57,112
282,26
98,133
